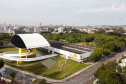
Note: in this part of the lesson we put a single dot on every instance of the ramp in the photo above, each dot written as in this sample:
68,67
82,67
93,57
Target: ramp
28,59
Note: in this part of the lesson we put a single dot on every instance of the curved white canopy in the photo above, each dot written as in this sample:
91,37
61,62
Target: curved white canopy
34,40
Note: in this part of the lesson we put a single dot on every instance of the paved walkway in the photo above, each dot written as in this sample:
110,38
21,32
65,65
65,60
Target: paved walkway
6,79
28,59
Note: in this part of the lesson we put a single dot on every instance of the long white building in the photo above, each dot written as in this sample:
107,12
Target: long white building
78,52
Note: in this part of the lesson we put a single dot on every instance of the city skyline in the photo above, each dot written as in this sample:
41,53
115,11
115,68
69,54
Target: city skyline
66,12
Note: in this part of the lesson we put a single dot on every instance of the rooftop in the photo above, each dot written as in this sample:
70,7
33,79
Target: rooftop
79,49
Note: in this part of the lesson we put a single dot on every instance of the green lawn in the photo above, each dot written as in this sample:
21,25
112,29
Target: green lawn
8,49
69,68
56,72
79,43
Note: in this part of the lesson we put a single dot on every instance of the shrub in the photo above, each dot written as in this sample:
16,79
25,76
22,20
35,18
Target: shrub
119,69
1,63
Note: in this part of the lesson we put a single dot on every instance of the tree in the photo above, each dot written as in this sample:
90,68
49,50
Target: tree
4,38
86,59
56,37
12,75
112,41
67,29
1,63
110,77
75,30
73,40
43,81
99,71
106,52
111,65
97,54
114,45
1,43
119,69
120,30
93,58
110,45
124,68
100,31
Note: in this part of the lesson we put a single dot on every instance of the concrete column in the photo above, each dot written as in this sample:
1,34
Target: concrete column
17,62
52,52
48,51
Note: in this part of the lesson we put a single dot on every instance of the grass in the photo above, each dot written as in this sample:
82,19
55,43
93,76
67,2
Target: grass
69,68
12,65
8,49
56,72
78,43
38,69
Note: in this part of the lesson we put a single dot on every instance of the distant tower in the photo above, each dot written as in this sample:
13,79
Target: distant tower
40,24
47,29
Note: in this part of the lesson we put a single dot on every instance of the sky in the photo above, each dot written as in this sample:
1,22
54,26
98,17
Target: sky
66,12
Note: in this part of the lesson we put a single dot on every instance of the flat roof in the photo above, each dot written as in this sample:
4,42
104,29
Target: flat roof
79,49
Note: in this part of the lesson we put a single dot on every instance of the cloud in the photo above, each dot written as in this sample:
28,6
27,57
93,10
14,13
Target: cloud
116,19
22,4
113,8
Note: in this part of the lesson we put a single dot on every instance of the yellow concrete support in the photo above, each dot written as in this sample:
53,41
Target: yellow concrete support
34,54
34,50
25,51
22,51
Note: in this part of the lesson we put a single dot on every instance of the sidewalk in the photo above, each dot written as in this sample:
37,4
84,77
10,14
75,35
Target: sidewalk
8,80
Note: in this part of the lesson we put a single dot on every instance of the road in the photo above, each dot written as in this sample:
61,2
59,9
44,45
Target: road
87,76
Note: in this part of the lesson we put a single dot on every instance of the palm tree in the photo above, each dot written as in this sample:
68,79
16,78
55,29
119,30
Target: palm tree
12,75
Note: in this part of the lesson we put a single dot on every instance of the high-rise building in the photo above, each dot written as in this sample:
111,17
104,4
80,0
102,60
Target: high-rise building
36,30
60,29
40,24
47,29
